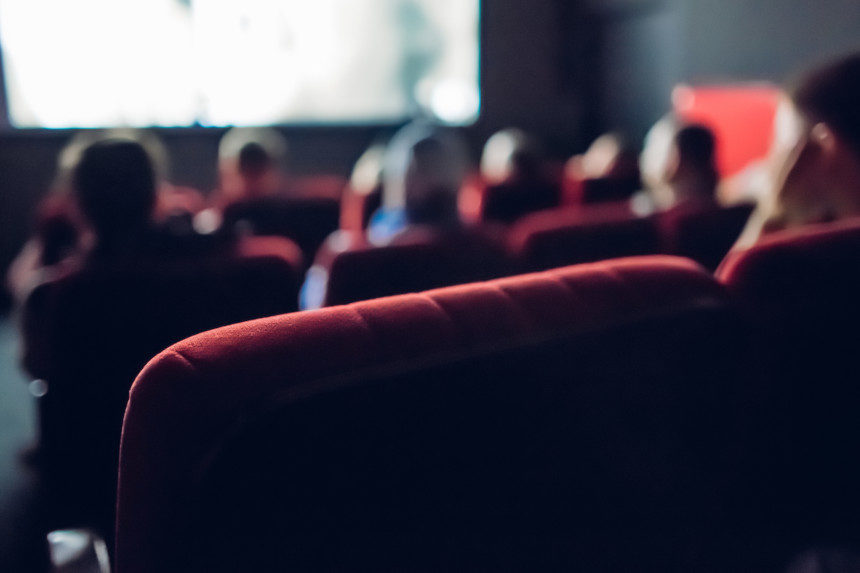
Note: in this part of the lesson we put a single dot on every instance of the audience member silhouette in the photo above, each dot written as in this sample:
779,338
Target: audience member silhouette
416,240
102,204
607,171
251,166
257,196
252,163
692,173
63,233
678,166
424,168
115,187
512,169
509,154
815,157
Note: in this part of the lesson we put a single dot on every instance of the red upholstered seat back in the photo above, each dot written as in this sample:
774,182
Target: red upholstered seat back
507,202
562,237
600,190
803,287
305,220
704,234
419,260
322,186
546,421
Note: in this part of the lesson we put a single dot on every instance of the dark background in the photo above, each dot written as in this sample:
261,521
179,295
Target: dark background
565,69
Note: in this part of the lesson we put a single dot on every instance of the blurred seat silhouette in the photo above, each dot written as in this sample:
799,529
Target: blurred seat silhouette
87,333
600,190
320,185
556,421
514,179
802,287
509,201
560,237
608,171
349,269
305,220
704,234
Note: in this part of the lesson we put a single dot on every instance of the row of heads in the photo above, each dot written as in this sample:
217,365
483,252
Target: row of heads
115,174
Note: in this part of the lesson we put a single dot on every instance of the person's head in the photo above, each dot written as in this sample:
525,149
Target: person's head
695,146
510,154
692,172
251,161
608,156
424,169
70,154
678,161
816,149
114,184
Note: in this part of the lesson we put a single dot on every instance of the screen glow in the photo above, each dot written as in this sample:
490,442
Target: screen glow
104,63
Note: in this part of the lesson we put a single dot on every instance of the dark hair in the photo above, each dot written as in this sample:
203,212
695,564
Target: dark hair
526,162
254,159
114,183
831,94
696,143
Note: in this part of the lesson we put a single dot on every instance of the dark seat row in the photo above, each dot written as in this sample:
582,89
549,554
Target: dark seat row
353,270
702,234
87,333
630,415
128,312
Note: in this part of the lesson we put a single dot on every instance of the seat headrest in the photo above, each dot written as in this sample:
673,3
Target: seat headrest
794,258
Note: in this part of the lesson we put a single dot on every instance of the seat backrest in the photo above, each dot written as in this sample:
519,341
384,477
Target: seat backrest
600,190
418,260
704,234
305,220
88,334
570,236
507,202
321,185
561,420
802,288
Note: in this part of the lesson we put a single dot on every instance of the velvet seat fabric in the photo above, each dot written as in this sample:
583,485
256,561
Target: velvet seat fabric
305,220
349,269
600,190
801,287
570,236
528,422
507,202
704,233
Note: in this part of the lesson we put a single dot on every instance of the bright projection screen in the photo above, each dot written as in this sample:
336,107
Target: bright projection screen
105,63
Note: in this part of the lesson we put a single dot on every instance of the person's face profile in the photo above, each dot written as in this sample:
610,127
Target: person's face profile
793,162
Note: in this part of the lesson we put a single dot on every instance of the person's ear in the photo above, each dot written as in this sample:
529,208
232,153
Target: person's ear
824,138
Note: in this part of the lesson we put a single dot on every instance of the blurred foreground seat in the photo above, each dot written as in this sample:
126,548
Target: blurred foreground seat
802,288
579,419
